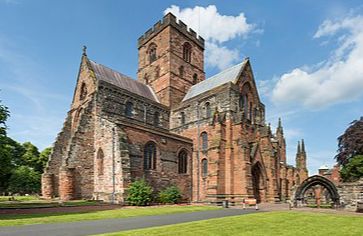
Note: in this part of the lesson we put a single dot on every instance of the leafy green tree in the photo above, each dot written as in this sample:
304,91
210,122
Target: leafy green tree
43,158
24,180
139,193
171,194
4,115
353,170
31,157
5,152
350,143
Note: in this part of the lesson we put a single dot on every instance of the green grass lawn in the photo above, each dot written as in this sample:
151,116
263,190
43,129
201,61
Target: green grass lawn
19,198
267,224
38,203
26,219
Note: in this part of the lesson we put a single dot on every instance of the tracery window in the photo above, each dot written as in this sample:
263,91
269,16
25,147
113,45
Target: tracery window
150,156
182,162
187,52
204,167
204,141
129,109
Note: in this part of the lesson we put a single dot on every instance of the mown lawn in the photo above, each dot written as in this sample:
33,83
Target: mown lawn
26,203
267,224
26,219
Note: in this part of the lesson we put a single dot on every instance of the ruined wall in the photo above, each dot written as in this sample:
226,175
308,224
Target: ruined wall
350,194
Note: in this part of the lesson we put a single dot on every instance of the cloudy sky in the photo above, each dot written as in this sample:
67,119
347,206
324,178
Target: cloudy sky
307,58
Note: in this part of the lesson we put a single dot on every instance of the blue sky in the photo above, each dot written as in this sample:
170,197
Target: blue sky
307,58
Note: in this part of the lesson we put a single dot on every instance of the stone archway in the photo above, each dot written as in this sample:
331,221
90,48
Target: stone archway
313,181
258,183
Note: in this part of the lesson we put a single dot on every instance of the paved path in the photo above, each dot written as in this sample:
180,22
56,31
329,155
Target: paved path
114,225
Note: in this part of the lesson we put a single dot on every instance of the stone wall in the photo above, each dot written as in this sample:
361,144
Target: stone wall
350,194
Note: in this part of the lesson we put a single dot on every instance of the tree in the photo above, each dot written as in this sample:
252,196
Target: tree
43,158
31,157
4,115
5,152
353,170
24,180
350,143
139,193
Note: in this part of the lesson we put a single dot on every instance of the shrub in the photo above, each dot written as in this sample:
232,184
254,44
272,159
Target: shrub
170,195
139,193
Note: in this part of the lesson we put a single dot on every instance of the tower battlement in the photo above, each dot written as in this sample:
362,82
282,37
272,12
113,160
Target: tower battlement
170,19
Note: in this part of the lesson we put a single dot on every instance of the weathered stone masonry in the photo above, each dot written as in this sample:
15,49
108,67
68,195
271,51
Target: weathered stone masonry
120,129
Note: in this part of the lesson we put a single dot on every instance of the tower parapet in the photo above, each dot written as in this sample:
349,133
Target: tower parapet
170,19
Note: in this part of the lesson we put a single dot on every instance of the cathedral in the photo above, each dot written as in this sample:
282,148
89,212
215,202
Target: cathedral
170,126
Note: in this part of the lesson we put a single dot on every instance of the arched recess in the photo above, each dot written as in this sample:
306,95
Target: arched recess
100,161
258,182
313,181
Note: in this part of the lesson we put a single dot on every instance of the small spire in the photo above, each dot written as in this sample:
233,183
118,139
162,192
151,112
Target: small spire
302,146
279,124
298,147
84,49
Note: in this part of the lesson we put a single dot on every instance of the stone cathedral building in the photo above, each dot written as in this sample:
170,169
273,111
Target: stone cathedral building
171,126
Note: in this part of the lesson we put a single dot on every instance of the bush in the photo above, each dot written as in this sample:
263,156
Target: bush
139,193
170,195
24,180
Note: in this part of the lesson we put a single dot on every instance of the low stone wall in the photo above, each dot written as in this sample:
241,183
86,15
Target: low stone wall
351,194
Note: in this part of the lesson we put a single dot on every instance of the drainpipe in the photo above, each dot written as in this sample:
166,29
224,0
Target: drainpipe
113,166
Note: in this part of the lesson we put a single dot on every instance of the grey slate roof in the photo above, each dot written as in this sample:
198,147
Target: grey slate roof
223,77
122,81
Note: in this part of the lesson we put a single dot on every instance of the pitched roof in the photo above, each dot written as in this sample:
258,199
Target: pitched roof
122,81
223,77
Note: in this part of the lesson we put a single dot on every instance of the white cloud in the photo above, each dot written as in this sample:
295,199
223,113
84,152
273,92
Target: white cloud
220,56
216,29
337,79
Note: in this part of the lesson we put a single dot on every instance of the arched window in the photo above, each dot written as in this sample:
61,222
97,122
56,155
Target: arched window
195,78
152,52
99,160
241,102
208,111
129,109
150,156
182,162
204,141
245,105
182,118
181,71
187,52
156,118
83,92
204,167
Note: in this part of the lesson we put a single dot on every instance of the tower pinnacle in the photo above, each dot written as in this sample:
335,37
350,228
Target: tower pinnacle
302,146
84,49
